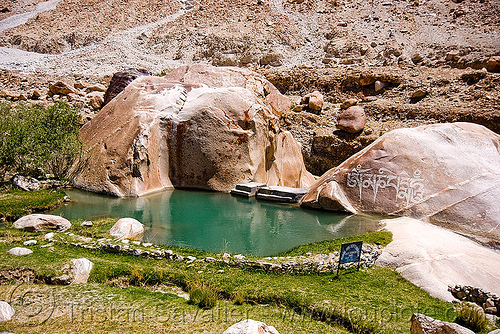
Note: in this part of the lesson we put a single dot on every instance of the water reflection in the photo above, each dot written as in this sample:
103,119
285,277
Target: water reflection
216,221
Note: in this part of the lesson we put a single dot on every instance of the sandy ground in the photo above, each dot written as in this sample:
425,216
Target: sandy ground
434,258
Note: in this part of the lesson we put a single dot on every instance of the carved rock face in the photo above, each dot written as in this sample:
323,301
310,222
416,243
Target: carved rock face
447,173
198,127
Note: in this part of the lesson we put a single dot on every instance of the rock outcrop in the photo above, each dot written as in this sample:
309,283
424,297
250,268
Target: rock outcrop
445,173
198,127
127,228
41,222
422,324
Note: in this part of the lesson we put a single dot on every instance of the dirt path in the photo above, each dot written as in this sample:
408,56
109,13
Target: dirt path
434,258
118,51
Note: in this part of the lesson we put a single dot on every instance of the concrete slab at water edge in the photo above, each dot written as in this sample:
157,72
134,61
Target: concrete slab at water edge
433,258
282,194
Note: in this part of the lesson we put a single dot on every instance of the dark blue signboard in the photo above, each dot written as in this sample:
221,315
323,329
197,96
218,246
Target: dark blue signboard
350,252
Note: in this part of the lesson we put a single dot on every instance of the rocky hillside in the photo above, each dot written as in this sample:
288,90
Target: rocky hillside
405,62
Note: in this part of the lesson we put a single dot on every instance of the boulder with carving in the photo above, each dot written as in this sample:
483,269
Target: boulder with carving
445,173
198,127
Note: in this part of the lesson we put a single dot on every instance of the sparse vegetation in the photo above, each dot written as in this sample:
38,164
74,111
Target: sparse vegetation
471,316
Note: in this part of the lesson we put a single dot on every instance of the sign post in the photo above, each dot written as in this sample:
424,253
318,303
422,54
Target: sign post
350,252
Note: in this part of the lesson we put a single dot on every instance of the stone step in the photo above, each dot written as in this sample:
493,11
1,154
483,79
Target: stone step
281,194
247,189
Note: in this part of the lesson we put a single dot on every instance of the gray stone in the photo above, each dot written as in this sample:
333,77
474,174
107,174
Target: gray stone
86,224
209,259
190,258
30,243
49,236
422,324
41,222
127,228
81,270
6,311
19,251
25,183
379,86
250,326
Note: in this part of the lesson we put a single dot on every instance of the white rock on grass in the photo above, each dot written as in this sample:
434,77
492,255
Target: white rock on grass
20,251
49,236
30,243
127,228
81,270
250,326
6,311
40,222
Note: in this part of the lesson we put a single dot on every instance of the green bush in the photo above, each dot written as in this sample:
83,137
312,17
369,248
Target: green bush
203,296
35,140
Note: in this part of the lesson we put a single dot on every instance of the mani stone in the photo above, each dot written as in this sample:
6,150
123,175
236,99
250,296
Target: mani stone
352,120
41,222
19,251
444,173
6,311
422,324
250,326
127,228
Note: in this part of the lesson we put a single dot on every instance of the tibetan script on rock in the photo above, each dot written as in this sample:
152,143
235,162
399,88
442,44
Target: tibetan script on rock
407,188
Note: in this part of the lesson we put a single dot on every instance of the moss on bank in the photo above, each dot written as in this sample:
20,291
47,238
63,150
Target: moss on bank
17,203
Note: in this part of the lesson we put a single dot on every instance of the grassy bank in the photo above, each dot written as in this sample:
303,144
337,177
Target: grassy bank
17,203
366,301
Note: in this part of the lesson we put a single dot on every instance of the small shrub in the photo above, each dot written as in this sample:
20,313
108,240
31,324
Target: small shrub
239,298
471,316
203,296
35,140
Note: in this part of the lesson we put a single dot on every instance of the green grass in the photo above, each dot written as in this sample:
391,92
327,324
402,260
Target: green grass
17,203
374,300
324,247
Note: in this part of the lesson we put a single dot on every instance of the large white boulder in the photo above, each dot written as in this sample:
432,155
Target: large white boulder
199,127
41,222
250,326
6,311
444,173
127,228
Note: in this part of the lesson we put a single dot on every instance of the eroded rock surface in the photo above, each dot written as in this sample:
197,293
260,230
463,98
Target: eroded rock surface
446,173
197,127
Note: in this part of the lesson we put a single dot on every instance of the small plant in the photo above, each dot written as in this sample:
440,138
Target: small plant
239,298
203,296
471,316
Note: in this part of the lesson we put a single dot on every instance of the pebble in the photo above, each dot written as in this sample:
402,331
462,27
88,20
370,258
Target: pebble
30,243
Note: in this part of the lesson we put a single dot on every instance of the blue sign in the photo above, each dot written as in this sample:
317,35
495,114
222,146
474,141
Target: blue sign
350,252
